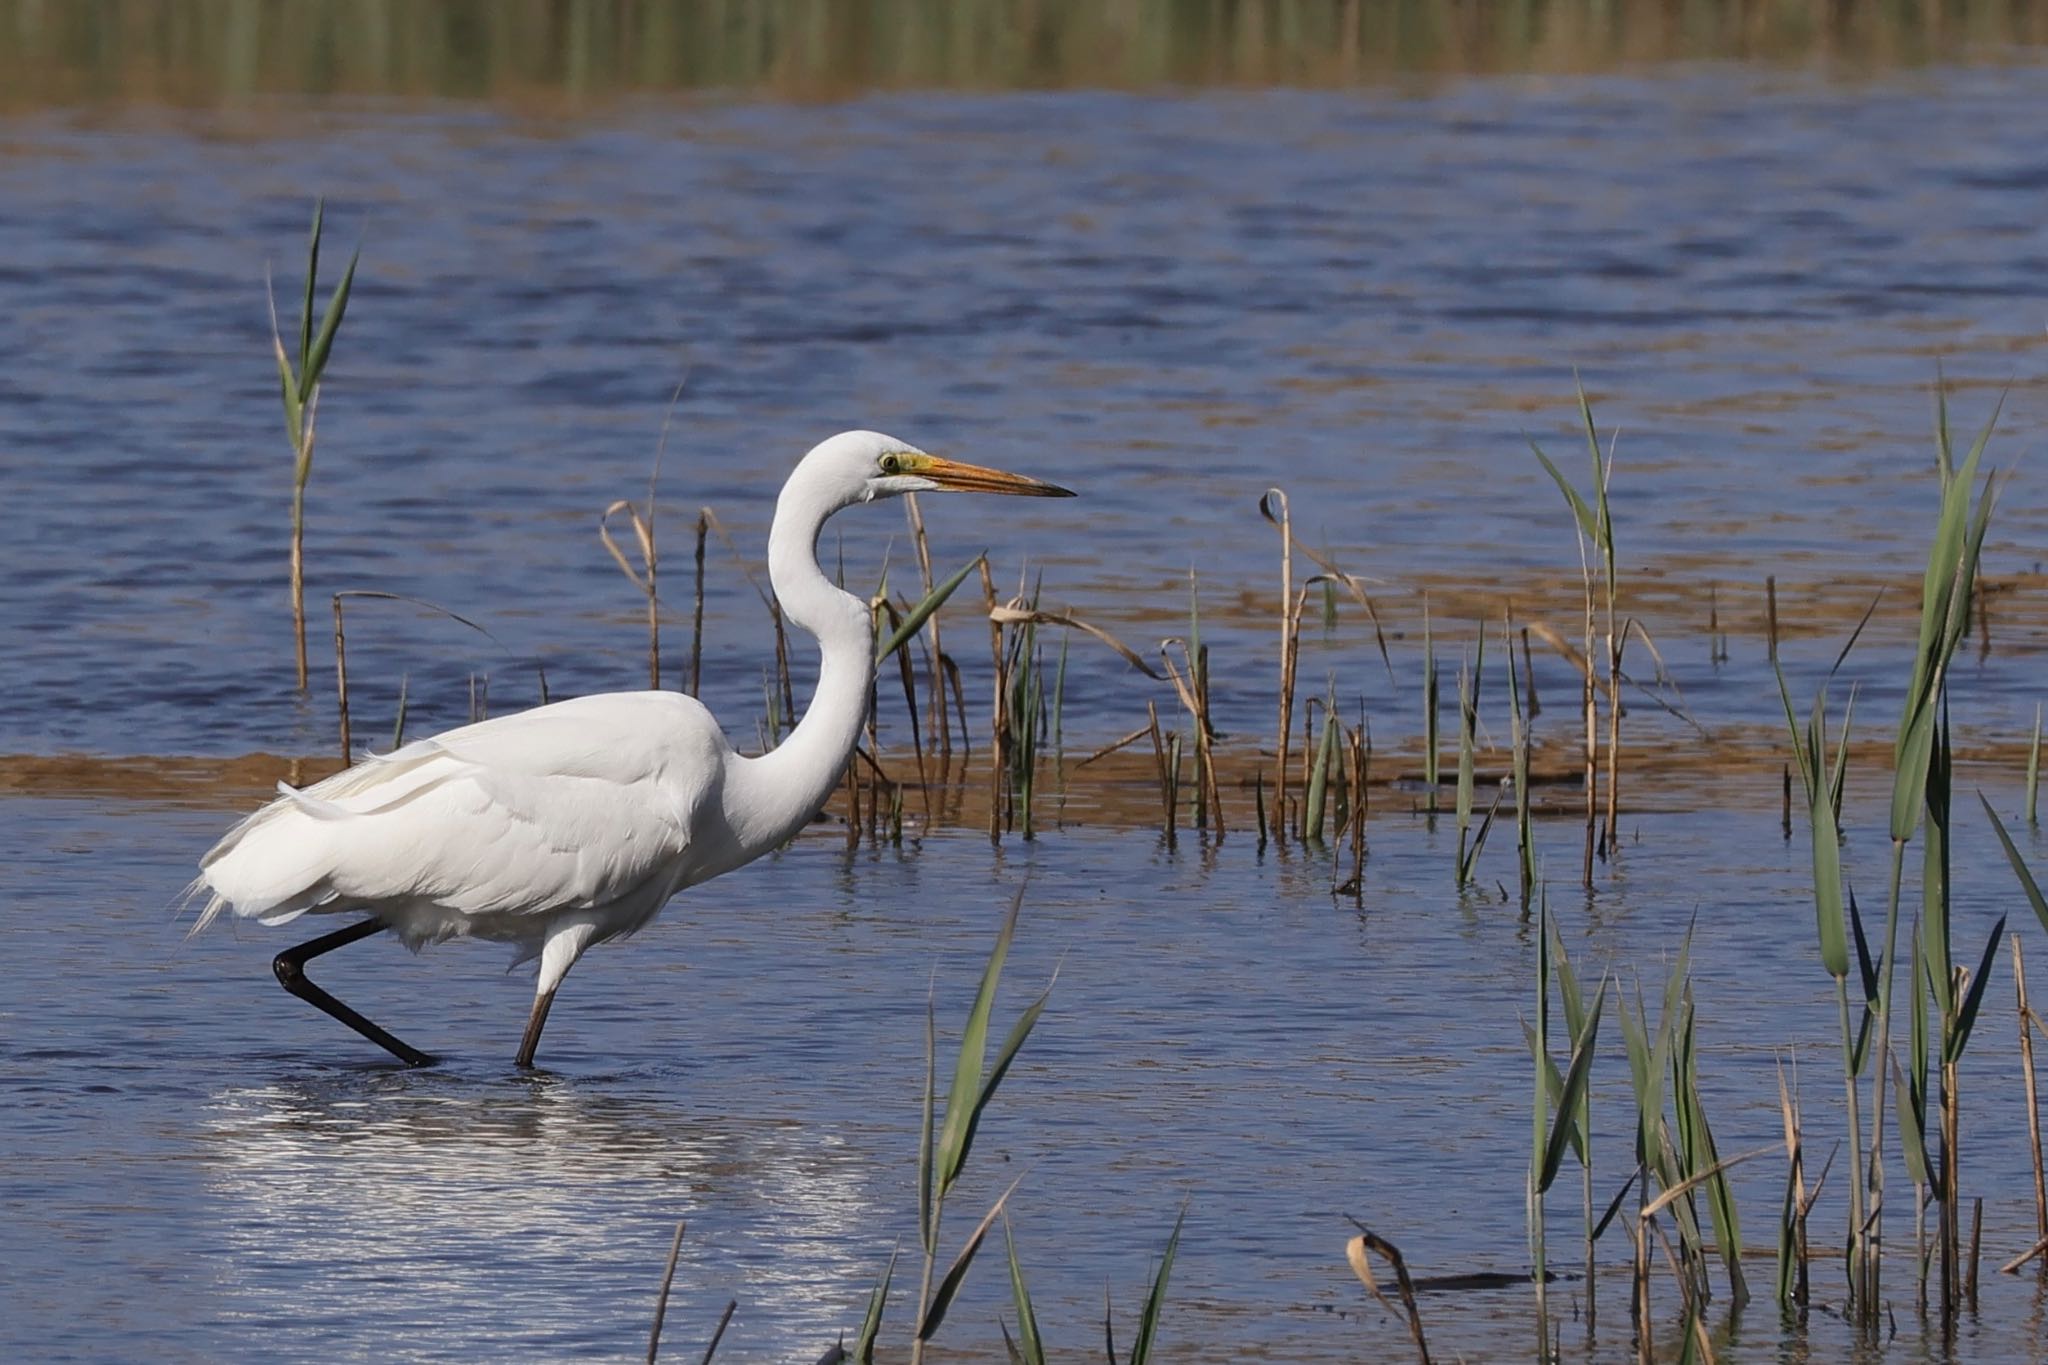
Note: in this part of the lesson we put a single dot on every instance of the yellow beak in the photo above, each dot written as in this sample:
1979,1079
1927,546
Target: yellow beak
972,478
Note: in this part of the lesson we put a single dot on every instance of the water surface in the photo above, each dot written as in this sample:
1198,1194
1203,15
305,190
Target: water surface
1170,301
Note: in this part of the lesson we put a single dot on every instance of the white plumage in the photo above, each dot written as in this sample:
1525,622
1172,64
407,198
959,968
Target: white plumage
560,827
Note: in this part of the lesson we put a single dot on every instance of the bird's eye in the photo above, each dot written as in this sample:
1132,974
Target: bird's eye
892,463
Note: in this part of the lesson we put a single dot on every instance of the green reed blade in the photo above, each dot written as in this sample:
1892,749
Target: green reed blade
963,1100
2019,865
914,619
1574,1091
1966,1019
1802,738
1912,1119
306,304
1029,1349
1589,525
1788,1245
1148,1321
1319,779
1703,1155
1944,613
1840,774
1574,1019
2034,770
398,725
1552,1092
871,1322
1006,1054
1645,1080
1603,471
1468,864
956,1274
1934,869
294,413
1913,1090
1827,848
927,1185
330,323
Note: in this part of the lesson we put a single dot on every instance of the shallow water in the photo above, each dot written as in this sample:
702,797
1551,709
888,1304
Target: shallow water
203,1168
1167,301
1363,298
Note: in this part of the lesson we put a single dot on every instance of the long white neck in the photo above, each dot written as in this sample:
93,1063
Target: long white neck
774,795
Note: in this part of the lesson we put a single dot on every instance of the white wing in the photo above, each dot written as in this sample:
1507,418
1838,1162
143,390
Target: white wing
604,801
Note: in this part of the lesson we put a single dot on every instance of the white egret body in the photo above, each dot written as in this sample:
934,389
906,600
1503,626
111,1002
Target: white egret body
560,827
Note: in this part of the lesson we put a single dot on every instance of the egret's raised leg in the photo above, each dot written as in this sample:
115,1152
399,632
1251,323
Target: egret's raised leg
565,943
290,966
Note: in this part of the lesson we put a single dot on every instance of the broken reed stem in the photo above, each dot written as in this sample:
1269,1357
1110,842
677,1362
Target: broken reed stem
999,726
852,805
340,677
697,611
1360,746
1205,743
1771,616
1531,707
2019,985
718,1334
668,1276
1976,1249
1259,805
782,665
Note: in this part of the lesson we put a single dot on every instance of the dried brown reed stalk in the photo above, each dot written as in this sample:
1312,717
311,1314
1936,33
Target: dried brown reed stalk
2027,1021
1290,642
341,699
1794,1257
999,721
1532,706
883,610
299,386
644,577
1355,1253
1167,759
1359,764
943,740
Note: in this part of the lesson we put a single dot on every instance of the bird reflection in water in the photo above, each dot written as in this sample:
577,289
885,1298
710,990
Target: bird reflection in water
374,1211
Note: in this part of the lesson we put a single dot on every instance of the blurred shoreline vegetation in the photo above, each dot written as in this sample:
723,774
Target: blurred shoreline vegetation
569,53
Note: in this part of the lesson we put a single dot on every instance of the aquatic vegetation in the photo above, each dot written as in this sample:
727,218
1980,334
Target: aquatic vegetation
299,385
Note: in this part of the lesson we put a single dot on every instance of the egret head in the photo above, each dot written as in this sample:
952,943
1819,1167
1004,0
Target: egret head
862,466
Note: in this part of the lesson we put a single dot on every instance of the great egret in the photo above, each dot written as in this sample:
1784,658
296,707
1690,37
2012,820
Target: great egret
560,827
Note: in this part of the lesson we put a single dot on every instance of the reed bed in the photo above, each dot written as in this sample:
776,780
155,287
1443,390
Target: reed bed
532,55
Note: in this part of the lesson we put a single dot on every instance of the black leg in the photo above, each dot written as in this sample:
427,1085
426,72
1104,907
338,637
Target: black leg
290,966
535,1022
